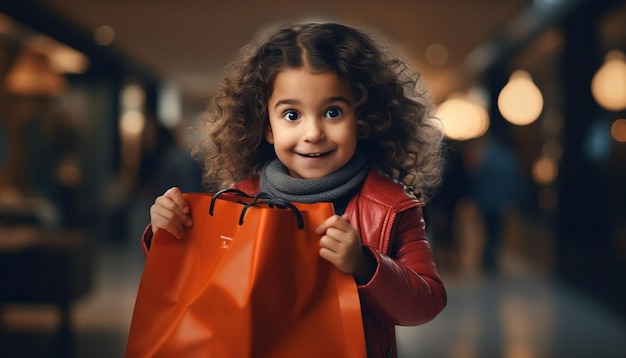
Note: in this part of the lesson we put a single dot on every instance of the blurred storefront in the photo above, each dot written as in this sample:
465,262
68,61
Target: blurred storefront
555,101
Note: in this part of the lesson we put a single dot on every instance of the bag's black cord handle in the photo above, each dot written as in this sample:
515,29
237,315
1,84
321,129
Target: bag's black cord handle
280,204
224,191
262,195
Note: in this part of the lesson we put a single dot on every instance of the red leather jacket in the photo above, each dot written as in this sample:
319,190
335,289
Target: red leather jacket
406,288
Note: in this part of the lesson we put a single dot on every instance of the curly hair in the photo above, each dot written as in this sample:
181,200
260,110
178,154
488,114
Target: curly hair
395,124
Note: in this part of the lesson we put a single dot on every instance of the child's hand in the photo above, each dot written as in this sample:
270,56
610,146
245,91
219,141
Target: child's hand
171,212
341,245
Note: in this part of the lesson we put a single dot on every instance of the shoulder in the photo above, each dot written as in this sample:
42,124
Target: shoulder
249,186
380,188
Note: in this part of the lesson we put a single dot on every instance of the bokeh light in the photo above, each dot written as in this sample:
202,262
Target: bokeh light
132,123
104,35
545,170
618,130
520,101
608,85
462,119
437,54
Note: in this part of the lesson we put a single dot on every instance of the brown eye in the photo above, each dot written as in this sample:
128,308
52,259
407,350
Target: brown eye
291,115
333,112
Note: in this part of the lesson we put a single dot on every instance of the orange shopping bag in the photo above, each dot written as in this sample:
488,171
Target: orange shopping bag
245,281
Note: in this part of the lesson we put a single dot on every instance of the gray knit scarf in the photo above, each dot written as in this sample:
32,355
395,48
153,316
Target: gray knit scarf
275,180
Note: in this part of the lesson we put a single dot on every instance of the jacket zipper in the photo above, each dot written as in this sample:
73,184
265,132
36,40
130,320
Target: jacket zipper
386,240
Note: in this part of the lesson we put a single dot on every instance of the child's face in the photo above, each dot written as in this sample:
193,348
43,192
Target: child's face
312,123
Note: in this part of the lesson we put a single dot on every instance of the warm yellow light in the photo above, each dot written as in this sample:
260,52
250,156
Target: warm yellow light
520,101
462,119
544,170
618,130
133,97
608,85
32,74
63,59
132,123
67,60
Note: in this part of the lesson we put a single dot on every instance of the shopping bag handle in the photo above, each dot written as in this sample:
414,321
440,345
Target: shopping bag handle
280,204
224,191
262,195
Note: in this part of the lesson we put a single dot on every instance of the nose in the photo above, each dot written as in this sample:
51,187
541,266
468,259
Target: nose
314,130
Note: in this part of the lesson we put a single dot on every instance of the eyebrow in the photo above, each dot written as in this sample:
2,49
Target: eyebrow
330,100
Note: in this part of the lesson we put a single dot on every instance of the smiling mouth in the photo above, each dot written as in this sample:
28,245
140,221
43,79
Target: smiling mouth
314,155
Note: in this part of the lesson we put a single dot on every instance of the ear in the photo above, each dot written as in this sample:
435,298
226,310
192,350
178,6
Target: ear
269,136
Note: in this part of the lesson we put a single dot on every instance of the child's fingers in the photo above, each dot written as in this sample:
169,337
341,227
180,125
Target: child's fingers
174,202
340,244
335,221
171,212
169,224
176,196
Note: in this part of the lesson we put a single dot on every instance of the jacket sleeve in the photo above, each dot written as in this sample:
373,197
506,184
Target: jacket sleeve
405,288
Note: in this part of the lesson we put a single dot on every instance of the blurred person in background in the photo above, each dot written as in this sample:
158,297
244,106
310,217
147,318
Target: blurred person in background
496,186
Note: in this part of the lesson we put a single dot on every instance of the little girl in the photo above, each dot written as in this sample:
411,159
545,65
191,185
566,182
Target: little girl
322,112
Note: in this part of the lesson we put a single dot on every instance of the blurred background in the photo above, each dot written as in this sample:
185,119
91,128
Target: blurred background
529,228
